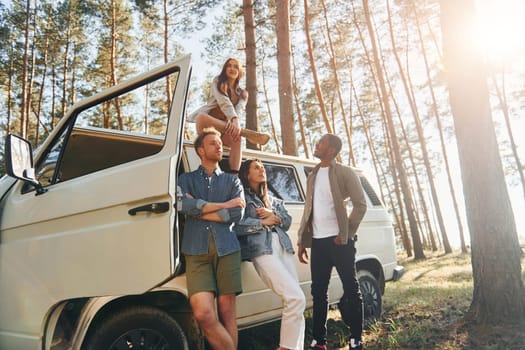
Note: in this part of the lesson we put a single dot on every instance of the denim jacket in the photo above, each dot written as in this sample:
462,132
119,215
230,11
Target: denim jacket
219,187
256,239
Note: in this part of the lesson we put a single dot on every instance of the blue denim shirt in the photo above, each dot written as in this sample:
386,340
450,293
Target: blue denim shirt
255,239
217,188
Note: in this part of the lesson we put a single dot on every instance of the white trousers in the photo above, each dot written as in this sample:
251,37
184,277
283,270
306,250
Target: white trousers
279,273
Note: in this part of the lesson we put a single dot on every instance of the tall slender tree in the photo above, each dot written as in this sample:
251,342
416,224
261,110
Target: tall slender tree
499,294
407,196
298,109
421,138
284,48
504,106
252,122
313,68
337,83
439,125
25,72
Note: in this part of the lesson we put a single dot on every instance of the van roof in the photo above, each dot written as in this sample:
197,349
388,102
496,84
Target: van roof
271,156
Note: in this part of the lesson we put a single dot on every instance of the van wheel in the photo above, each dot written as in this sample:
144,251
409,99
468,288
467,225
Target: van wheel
140,327
372,299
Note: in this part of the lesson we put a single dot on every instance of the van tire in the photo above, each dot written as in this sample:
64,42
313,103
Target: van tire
372,298
142,327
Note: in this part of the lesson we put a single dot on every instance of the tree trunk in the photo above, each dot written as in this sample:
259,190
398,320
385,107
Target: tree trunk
407,197
166,52
499,295
419,188
31,80
435,110
285,78
53,96
9,89
422,141
65,62
338,84
25,68
252,122
268,107
298,109
395,177
113,60
380,174
444,236
41,94
317,86
444,151
502,98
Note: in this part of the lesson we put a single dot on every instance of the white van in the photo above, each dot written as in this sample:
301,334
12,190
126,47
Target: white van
90,234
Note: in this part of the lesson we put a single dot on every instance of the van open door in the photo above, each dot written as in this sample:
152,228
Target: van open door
103,221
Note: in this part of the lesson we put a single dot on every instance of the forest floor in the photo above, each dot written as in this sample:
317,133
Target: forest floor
426,309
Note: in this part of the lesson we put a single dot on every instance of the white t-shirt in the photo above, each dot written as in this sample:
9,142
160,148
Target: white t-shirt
324,219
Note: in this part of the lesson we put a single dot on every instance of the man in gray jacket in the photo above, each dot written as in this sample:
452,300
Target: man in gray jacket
329,231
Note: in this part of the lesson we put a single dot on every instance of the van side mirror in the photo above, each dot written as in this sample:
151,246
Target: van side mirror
19,161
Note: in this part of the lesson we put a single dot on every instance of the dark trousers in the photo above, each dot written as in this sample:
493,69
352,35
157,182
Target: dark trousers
325,254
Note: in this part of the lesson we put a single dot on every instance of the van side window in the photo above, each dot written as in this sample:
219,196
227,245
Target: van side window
109,132
46,169
283,182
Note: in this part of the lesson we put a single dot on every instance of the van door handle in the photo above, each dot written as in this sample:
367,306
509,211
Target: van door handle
156,208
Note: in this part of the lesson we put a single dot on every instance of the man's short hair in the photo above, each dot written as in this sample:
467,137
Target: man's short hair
205,132
335,142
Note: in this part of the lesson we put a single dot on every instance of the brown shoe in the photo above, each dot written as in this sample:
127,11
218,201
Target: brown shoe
258,138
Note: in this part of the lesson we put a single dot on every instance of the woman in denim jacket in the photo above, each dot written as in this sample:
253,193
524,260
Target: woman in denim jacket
264,242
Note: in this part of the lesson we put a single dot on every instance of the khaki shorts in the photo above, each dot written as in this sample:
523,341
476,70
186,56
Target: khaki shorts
211,273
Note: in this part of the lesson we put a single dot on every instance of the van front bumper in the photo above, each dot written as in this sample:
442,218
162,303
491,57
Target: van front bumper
398,272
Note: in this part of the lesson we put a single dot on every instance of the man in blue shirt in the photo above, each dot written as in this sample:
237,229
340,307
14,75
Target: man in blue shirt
212,202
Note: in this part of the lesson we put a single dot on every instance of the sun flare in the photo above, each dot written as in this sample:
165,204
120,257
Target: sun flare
501,28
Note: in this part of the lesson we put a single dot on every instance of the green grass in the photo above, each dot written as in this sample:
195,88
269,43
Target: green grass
424,310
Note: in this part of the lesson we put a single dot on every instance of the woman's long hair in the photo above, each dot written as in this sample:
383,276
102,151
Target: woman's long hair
224,79
262,191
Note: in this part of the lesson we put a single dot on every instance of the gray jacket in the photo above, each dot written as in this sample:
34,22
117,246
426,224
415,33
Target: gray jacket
344,185
256,239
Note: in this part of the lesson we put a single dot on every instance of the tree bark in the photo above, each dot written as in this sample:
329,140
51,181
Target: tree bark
25,68
381,174
400,219
65,62
298,109
502,98
405,78
9,89
407,196
444,235
338,84
285,79
499,295
268,107
113,61
435,110
252,122
317,86
165,46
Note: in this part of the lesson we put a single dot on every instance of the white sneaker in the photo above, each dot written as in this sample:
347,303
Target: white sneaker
356,344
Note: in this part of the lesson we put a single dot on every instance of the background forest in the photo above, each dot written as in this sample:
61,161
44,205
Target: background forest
371,71
54,53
